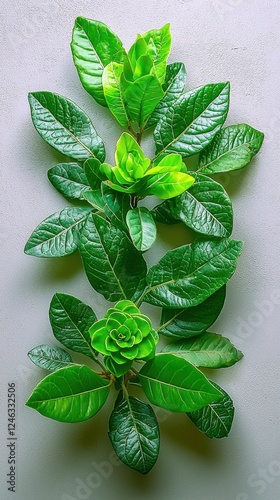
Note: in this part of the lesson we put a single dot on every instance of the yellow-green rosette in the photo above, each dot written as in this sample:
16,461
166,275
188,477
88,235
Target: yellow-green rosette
122,336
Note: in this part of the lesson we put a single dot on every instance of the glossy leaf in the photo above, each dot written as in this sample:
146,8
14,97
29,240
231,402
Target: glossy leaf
141,97
142,228
159,44
58,234
94,197
70,320
71,394
232,148
69,179
93,47
188,275
64,126
215,419
50,358
112,264
175,384
205,207
174,86
185,323
209,350
113,92
162,214
165,185
93,174
134,433
116,206
191,124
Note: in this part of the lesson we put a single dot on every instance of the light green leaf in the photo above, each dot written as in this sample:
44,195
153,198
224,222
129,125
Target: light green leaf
64,126
142,228
194,119
69,179
215,419
93,47
134,433
113,93
232,148
205,208
188,275
159,44
165,185
71,394
174,86
176,385
185,323
70,320
50,358
141,97
112,264
209,350
58,234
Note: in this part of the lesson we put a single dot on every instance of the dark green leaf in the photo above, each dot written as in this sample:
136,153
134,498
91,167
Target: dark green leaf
71,319
94,197
232,148
94,46
209,350
142,228
71,394
162,214
50,358
91,168
175,384
185,323
64,126
188,275
191,124
173,88
205,207
215,419
112,264
58,234
116,206
134,434
69,179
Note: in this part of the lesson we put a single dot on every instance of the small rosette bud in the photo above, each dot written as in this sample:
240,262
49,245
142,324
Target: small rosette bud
122,336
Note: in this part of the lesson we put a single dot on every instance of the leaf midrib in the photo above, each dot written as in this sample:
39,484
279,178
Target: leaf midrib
188,193
67,130
149,289
149,378
64,231
229,151
187,128
78,394
75,327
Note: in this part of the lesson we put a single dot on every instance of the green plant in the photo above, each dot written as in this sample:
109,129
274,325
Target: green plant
112,231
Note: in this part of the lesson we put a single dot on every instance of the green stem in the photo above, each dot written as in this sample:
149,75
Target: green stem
141,298
139,135
99,363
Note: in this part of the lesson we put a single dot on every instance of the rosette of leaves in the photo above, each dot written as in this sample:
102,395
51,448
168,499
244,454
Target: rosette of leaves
136,174
112,232
123,335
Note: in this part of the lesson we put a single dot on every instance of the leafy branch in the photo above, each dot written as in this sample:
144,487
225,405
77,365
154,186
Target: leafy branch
112,230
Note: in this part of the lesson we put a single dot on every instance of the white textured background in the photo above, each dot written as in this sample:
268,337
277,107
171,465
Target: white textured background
236,40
